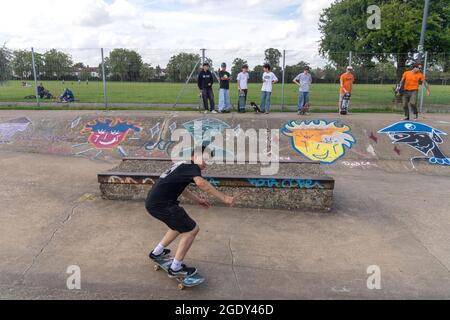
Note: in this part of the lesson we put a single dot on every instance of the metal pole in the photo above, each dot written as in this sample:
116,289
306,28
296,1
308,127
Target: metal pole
33,61
283,80
186,84
424,27
203,55
350,58
422,94
104,81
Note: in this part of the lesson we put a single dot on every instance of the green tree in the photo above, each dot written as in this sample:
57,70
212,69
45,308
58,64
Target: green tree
344,28
237,66
385,71
147,72
292,71
159,74
22,63
256,74
272,56
180,67
124,65
57,64
5,64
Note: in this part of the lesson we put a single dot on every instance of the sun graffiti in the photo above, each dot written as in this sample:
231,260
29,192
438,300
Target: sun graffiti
106,134
319,140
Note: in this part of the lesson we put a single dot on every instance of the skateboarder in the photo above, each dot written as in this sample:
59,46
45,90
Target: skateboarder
345,91
162,203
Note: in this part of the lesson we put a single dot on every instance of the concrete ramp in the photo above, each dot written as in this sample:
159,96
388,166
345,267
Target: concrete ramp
308,146
357,140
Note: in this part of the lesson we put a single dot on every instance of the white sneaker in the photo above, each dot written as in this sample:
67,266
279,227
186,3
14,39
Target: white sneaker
206,112
214,111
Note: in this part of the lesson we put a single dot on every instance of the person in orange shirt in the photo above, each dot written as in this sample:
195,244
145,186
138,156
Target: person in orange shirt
410,83
346,80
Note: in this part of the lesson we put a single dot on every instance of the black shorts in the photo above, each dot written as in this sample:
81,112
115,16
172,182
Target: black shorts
174,216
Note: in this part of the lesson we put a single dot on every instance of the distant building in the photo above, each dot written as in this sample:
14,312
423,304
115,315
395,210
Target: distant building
92,71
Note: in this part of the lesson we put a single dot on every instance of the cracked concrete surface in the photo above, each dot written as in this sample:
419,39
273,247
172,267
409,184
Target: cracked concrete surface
52,217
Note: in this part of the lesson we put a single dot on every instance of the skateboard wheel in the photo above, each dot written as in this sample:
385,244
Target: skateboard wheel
156,268
180,286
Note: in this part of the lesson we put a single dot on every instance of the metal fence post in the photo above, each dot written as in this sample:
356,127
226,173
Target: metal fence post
33,61
203,55
350,58
283,80
422,94
104,80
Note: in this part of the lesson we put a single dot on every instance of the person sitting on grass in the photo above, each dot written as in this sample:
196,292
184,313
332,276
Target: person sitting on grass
67,96
43,93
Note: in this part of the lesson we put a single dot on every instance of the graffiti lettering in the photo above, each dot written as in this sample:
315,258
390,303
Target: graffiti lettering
213,182
286,183
128,180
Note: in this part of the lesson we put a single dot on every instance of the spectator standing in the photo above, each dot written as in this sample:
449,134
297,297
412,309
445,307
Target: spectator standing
205,82
410,82
224,91
303,80
242,82
269,79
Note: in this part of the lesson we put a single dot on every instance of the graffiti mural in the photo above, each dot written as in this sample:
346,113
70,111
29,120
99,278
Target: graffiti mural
107,134
420,137
9,128
319,140
204,133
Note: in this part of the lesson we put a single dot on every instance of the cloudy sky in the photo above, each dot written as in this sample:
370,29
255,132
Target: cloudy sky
158,29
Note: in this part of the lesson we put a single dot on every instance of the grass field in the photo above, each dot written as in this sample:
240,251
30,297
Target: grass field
364,95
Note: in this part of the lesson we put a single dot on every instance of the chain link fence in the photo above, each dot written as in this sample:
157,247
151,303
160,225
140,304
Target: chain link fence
105,78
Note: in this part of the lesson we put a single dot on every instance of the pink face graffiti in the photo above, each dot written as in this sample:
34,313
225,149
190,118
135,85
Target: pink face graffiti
109,133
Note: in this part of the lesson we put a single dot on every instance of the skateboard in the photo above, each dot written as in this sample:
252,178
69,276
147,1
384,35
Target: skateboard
189,282
345,103
241,104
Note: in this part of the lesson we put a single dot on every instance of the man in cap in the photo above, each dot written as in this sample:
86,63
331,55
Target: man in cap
410,82
224,91
346,81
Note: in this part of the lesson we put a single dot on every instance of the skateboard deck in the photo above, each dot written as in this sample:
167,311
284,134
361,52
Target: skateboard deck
344,104
241,104
189,282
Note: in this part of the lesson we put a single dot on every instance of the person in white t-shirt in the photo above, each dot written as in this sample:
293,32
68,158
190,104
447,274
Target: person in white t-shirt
242,82
269,79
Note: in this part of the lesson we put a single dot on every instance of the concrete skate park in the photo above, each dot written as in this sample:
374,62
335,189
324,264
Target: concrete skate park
375,195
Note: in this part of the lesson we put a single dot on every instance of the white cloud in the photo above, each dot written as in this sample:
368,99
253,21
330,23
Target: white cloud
233,28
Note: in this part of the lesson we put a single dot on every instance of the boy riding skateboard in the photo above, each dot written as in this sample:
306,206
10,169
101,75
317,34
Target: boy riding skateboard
162,203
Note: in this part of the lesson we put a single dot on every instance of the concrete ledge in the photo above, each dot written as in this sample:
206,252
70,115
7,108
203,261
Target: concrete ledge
280,192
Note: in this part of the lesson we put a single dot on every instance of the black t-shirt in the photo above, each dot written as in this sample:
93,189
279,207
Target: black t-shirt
224,84
172,183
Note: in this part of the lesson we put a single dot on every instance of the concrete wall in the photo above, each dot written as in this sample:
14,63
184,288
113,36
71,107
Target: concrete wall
147,134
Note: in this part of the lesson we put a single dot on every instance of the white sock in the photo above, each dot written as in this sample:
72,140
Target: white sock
176,265
158,250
